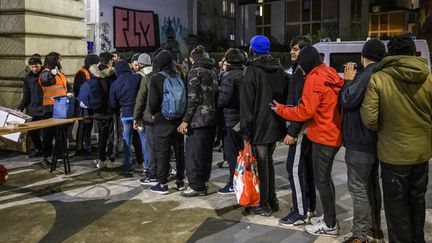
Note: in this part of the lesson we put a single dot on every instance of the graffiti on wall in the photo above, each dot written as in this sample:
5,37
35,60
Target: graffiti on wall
181,32
135,29
106,43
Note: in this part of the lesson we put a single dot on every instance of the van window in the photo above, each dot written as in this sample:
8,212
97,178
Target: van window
337,60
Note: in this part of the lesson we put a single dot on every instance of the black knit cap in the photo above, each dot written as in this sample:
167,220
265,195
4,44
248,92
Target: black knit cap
402,45
91,59
374,50
35,59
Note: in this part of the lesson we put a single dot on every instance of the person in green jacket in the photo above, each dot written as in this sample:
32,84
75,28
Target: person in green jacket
398,106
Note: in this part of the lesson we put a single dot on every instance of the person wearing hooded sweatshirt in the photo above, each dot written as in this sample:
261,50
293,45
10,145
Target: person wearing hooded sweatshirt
263,80
229,102
199,122
165,130
398,106
32,101
360,144
53,83
104,114
299,164
123,94
319,109
83,137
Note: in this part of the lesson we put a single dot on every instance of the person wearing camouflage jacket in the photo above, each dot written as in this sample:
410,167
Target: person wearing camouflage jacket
199,122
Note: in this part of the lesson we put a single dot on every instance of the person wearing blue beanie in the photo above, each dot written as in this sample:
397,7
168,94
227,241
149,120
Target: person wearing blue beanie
260,44
263,80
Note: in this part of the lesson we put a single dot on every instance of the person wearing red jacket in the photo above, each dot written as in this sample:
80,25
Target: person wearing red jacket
319,109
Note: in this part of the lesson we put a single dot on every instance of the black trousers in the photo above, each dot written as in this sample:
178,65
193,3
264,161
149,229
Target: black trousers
105,141
136,142
151,150
35,135
165,136
404,189
323,157
83,139
199,156
232,144
299,166
266,172
48,135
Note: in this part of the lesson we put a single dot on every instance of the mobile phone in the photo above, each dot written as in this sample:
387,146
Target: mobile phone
272,105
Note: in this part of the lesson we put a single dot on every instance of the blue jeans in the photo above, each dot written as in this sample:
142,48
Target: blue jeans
127,144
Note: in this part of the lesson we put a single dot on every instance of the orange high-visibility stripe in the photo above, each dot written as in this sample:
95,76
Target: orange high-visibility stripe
58,89
85,71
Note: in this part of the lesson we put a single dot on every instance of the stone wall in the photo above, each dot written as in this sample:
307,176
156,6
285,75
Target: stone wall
38,26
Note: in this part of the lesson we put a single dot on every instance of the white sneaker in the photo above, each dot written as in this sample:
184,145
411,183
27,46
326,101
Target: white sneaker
315,220
310,215
115,164
320,228
100,164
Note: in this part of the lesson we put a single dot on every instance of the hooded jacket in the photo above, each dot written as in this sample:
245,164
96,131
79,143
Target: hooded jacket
319,106
106,77
229,94
162,62
356,136
142,109
264,80
202,89
295,89
124,89
398,106
32,95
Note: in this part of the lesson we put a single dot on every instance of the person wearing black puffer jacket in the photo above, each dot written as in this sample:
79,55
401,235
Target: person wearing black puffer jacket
229,102
200,120
32,101
123,94
165,133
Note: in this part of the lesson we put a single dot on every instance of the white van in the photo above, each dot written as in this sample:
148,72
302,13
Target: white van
336,54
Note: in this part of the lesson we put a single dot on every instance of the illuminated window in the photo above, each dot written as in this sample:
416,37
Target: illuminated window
232,9
224,7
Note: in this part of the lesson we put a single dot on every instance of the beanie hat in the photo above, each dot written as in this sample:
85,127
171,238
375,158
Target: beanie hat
260,44
374,50
91,59
135,57
144,59
35,59
162,60
403,45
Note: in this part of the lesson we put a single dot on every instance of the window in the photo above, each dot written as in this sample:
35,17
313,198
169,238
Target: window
293,11
337,60
306,4
224,7
316,10
232,10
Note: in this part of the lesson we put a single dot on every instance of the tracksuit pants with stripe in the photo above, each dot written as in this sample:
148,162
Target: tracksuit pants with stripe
300,175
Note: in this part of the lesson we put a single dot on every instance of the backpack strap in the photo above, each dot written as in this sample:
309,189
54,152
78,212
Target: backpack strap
166,75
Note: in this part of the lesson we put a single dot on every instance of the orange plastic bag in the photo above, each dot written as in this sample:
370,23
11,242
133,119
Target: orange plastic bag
246,180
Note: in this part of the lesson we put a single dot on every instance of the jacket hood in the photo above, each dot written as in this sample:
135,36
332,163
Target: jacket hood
409,69
309,59
330,75
107,72
266,62
121,67
163,61
208,63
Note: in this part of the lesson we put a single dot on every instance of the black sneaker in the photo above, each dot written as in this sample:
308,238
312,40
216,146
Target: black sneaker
159,188
180,185
375,234
293,219
36,153
148,181
189,192
261,210
128,174
226,190
274,205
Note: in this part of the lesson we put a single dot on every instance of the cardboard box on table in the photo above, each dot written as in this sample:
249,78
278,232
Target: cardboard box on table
13,141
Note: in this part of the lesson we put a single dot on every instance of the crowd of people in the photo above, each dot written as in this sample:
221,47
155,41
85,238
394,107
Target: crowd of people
382,115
